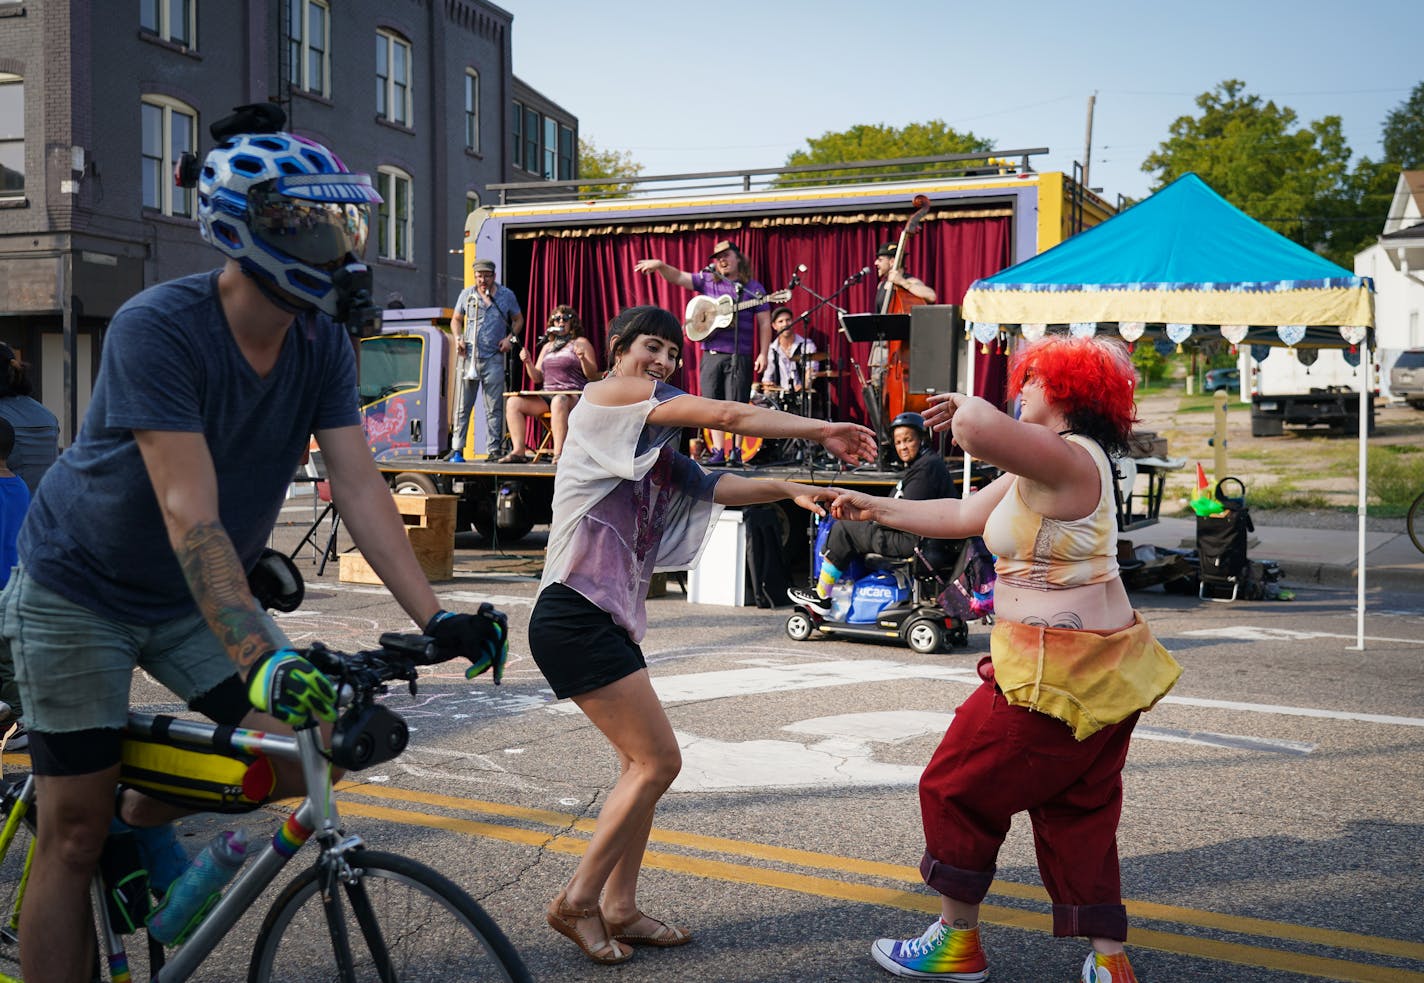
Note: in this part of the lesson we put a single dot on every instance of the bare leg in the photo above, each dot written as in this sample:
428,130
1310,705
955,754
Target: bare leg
629,715
559,410
958,914
516,408
56,934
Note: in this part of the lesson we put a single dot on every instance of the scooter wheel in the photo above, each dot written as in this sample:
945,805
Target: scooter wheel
924,636
799,627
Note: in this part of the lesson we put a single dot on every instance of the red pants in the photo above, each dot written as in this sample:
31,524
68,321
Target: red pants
997,760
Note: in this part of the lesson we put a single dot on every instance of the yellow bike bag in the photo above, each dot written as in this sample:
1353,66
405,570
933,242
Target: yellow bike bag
210,781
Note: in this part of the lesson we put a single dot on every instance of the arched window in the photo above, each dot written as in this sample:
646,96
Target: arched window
393,75
309,46
170,127
12,136
393,215
472,110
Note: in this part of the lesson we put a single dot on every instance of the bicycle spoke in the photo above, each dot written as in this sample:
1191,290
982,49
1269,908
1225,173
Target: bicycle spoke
415,926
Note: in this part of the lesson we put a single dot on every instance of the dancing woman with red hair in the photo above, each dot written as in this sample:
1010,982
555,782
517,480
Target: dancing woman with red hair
1071,665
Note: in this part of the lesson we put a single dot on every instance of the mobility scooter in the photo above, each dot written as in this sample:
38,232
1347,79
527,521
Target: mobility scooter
898,599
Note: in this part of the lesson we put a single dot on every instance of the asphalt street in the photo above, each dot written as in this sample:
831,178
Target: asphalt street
1271,828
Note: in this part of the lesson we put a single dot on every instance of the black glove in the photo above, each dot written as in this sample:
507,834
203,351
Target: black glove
482,637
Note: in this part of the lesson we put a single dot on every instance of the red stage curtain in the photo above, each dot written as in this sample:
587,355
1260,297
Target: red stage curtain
595,275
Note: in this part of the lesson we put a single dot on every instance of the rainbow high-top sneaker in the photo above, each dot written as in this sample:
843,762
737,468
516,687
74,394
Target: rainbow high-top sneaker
942,953
1108,969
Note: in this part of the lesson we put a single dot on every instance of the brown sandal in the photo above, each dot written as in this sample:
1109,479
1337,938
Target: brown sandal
562,918
664,936
512,458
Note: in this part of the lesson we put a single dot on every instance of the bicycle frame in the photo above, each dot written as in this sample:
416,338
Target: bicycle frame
315,816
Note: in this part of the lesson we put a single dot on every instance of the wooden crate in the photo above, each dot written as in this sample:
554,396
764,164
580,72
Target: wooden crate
430,526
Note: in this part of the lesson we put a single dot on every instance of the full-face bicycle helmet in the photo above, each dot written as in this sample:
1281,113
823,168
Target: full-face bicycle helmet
288,210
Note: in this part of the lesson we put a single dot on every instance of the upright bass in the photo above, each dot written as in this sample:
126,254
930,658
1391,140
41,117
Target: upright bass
898,300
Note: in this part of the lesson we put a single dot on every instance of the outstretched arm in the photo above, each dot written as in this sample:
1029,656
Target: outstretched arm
678,278
850,442
943,518
733,489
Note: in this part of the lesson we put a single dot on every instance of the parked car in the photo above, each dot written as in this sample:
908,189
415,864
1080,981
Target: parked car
1406,378
1222,379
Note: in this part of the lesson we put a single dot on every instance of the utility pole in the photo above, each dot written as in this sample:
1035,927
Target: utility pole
1088,143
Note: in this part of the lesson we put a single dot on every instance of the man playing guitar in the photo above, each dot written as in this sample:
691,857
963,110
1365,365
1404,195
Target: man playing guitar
730,355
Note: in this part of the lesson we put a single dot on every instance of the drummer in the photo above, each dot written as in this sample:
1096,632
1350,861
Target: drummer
788,362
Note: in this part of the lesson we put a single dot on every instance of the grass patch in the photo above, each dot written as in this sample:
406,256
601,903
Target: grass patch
1395,478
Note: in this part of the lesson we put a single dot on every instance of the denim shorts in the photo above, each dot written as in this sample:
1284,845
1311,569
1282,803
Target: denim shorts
73,667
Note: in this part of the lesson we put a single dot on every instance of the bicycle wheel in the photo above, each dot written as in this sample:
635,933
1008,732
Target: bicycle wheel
14,871
1414,522
402,920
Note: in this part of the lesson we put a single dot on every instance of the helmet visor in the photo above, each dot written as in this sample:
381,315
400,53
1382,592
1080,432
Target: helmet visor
315,232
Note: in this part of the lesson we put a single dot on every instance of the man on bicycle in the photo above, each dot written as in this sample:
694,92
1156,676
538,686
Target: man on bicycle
137,548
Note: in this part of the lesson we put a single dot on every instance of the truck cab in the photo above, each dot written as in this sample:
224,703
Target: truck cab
405,374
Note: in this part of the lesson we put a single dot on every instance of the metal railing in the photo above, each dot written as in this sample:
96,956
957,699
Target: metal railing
765,178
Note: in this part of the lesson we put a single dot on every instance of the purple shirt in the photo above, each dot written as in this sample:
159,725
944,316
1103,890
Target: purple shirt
739,337
563,370
626,504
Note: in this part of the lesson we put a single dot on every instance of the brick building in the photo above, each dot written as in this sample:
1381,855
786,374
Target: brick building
97,100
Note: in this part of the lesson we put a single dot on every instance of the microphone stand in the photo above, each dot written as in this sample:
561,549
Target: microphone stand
805,318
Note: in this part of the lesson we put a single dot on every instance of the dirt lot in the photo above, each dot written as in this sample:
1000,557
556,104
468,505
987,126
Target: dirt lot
1307,468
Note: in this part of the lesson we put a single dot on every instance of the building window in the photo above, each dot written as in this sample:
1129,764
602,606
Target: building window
309,44
531,140
566,154
172,20
12,136
519,135
392,78
472,201
551,148
393,232
472,110
169,129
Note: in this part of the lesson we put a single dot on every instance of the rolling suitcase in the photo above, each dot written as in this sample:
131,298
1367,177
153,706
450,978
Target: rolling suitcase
1222,545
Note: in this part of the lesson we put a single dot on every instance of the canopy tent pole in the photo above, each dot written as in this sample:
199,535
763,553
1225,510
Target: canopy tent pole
1366,361
969,391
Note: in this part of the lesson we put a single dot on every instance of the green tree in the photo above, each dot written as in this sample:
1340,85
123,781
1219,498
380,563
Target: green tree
599,164
879,141
1404,132
1255,156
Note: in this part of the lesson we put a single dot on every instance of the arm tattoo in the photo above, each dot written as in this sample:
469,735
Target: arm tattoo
215,577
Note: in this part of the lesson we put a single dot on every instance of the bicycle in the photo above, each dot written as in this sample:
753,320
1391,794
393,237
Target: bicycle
1414,522
387,917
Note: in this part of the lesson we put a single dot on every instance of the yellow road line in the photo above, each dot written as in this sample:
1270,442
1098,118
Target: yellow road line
1247,955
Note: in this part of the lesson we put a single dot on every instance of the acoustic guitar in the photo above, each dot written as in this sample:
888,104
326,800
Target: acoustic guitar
706,314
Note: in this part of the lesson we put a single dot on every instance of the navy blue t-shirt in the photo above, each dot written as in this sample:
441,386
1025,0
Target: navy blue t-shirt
95,534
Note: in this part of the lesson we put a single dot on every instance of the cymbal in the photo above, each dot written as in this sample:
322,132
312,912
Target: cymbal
828,374
808,357
767,387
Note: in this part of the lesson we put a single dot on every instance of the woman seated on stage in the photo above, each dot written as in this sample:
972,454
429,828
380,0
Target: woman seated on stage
565,364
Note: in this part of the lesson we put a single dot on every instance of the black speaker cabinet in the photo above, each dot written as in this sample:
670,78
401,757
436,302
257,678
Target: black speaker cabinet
936,340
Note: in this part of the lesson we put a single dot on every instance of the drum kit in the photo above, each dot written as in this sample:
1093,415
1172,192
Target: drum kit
805,401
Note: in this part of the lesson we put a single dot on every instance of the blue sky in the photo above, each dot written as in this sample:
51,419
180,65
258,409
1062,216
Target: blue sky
708,86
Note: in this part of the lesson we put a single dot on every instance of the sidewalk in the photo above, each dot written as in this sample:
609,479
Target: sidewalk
1311,556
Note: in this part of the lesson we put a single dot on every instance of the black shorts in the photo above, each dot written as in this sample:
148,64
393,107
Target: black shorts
577,645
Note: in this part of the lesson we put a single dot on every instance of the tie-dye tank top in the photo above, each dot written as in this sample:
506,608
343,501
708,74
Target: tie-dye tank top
1040,553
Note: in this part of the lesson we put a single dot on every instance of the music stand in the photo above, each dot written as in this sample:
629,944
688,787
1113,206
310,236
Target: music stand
877,328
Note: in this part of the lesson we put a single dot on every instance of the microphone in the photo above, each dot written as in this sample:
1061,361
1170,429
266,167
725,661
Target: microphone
796,275
710,268
857,277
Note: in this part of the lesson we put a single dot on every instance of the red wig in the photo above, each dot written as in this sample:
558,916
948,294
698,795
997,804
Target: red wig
1090,380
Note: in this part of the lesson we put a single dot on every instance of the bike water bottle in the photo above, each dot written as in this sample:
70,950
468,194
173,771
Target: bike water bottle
198,889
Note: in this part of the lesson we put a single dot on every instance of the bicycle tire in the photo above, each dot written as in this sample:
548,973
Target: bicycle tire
1414,523
426,926
14,870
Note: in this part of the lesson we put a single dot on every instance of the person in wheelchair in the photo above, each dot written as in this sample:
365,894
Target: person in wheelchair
926,477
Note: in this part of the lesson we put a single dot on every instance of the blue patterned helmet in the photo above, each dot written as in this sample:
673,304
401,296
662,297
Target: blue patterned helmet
290,213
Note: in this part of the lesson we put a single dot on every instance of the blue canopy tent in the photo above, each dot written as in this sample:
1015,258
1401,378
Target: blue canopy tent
1187,265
